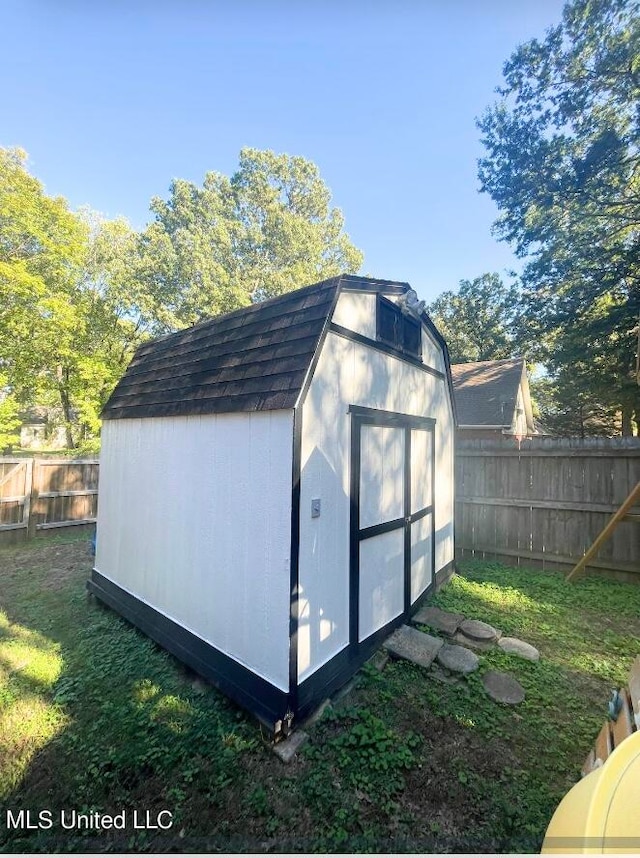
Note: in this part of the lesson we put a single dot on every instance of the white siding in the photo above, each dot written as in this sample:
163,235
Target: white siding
431,352
194,519
353,374
357,312
519,423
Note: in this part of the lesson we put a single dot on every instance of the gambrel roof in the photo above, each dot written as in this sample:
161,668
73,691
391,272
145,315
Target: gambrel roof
254,359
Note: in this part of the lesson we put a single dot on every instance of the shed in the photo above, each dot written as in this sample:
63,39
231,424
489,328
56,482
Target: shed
276,489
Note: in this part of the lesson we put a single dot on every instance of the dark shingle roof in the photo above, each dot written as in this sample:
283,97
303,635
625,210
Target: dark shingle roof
486,391
253,359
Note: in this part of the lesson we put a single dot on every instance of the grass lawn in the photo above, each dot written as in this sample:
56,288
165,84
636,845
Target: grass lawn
95,717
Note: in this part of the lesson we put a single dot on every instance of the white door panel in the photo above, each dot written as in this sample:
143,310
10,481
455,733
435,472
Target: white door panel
421,465
381,581
421,555
381,474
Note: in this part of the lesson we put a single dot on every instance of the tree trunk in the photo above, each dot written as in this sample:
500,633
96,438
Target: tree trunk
627,428
65,401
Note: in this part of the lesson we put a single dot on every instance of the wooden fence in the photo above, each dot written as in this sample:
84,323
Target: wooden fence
543,503
43,494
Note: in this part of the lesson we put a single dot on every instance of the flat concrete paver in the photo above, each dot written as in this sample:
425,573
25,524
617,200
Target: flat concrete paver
288,748
458,659
441,621
503,688
413,645
521,648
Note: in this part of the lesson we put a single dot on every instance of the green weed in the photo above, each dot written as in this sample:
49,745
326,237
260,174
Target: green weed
95,715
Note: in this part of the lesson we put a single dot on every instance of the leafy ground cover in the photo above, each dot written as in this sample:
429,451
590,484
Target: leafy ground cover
94,717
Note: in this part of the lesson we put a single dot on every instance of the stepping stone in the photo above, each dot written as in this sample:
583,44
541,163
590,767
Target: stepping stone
288,748
441,675
478,631
481,646
503,688
441,621
458,659
518,647
413,645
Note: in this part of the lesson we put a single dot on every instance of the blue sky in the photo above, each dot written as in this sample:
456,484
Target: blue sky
114,99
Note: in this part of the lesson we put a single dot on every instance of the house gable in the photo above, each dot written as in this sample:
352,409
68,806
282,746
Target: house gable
489,393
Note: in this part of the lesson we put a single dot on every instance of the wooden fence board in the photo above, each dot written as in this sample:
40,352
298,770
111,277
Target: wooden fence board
41,494
547,500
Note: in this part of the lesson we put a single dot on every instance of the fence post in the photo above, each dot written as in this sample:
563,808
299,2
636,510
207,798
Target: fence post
31,492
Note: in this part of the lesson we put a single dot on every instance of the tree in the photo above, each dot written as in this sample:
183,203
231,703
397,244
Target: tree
217,247
68,314
567,406
9,417
563,166
95,329
478,321
41,248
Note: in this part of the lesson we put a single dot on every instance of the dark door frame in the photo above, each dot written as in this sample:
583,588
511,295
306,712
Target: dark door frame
361,416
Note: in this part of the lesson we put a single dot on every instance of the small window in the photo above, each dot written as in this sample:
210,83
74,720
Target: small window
388,323
401,332
412,332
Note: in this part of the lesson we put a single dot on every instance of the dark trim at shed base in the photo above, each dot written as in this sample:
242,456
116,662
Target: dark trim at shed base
444,575
268,703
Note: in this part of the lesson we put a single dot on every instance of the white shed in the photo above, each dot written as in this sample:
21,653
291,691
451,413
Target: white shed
276,489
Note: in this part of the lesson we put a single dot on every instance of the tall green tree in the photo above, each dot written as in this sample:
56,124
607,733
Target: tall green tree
104,319
478,320
9,416
566,404
42,246
68,313
563,165
267,229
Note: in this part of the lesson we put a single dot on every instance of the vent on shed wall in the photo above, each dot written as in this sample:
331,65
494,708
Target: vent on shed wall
397,330
412,336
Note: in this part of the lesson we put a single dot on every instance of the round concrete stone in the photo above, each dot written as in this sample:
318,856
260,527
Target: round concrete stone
503,688
481,646
457,658
521,648
478,631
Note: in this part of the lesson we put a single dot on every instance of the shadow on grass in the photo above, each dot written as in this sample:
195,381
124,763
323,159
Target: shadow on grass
131,730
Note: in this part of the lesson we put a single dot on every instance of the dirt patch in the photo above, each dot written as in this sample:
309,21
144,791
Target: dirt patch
54,565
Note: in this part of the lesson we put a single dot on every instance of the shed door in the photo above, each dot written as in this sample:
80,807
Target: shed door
392,536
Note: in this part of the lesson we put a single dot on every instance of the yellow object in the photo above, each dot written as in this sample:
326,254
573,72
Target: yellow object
601,813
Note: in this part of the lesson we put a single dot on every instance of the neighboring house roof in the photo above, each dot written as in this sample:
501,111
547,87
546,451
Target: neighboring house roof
254,359
486,392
